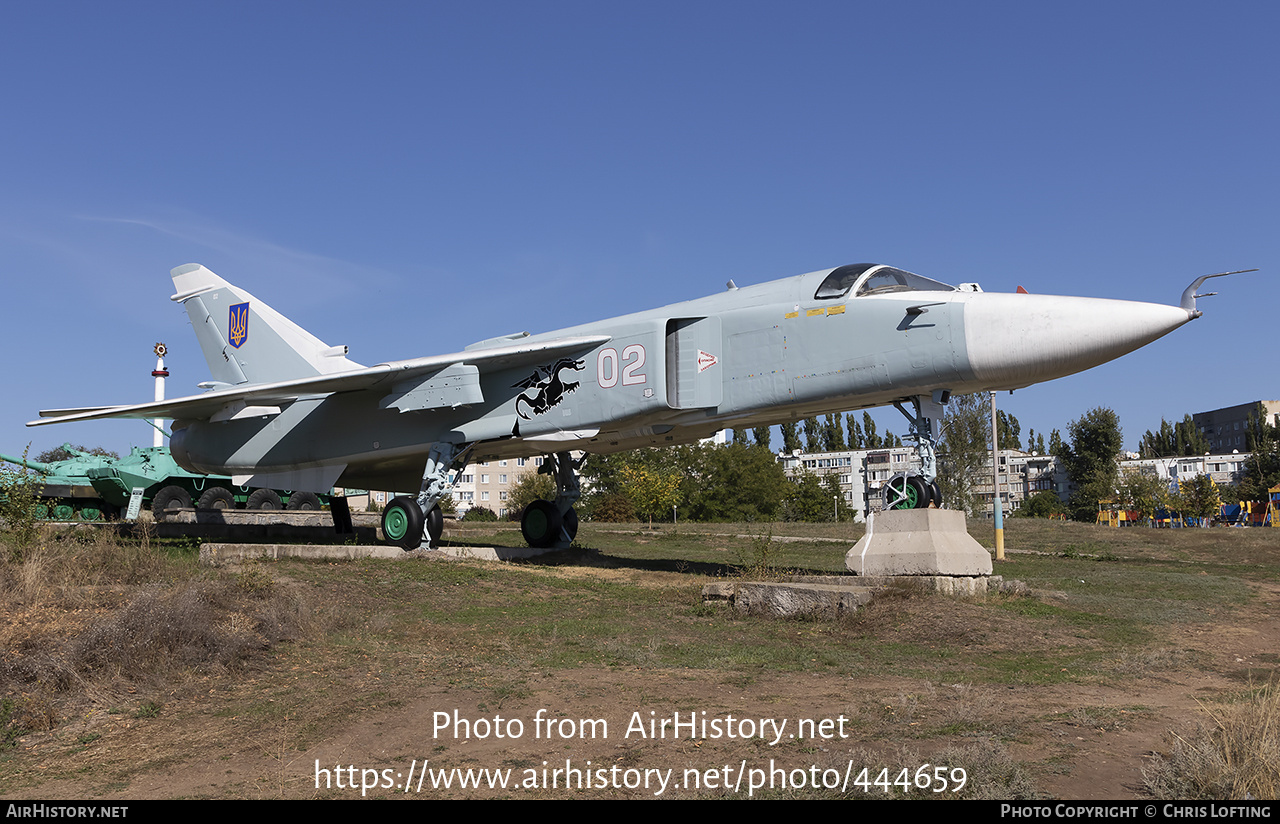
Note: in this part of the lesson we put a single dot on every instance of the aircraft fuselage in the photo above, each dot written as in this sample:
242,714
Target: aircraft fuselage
750,356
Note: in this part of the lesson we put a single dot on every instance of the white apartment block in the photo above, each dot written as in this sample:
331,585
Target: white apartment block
864,472
489,483
1223,469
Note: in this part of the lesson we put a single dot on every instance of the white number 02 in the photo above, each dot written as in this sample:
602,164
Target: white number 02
607,366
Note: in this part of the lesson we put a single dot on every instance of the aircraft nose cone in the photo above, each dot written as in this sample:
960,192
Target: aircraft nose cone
1017,340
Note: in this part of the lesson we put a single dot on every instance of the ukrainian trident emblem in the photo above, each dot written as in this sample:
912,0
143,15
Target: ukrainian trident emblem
238,326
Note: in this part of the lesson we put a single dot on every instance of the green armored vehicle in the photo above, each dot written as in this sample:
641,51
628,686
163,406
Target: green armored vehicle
66,493
92,487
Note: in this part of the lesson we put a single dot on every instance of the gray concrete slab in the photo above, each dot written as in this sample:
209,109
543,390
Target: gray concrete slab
281,525
217,554
832,595
496,553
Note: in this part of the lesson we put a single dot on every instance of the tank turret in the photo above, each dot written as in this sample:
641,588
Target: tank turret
67,493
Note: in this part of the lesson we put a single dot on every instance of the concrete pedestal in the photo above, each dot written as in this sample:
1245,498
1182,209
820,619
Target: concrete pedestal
917,542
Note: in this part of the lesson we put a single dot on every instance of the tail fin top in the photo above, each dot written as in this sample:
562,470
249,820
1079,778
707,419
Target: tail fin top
246,341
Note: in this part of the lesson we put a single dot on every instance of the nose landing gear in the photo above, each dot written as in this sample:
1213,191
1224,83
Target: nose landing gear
904,491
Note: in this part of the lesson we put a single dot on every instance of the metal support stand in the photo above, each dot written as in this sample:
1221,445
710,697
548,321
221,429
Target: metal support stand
341,513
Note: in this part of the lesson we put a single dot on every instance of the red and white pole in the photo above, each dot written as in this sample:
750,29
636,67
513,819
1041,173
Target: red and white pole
160,373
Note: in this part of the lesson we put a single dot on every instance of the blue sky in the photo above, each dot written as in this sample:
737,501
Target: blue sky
406,178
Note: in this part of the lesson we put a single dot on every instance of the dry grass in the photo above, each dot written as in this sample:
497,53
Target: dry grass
98,637
1234,755
88,618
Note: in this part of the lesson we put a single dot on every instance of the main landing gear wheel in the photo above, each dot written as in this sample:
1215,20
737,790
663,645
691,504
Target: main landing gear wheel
435,524
906,492
935,495
570,523
402,523
540,524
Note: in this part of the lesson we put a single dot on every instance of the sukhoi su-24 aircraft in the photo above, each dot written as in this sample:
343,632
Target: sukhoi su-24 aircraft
286,410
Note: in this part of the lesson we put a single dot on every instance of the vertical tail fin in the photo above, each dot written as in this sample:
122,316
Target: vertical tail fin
246,341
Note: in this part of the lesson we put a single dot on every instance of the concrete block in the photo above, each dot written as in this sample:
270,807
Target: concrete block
798,599
918,542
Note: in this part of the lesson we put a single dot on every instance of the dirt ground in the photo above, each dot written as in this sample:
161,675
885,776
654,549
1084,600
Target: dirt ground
197,748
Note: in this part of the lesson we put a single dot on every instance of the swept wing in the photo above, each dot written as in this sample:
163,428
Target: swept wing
396,377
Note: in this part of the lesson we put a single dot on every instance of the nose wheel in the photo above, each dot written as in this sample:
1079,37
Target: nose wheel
911,492
907,492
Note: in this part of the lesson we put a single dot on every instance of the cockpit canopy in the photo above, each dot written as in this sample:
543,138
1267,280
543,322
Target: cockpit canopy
874,279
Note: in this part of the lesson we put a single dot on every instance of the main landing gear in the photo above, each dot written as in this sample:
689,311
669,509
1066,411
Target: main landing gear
904,491
404,525
404,522
546,523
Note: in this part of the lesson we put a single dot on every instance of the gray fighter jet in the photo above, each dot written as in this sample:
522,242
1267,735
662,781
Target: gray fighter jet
286,410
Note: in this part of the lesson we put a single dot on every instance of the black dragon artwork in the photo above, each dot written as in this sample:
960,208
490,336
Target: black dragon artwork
548,386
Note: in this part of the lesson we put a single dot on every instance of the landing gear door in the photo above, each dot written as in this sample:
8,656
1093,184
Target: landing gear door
694,350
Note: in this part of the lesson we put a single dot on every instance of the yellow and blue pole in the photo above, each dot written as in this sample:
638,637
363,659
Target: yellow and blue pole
995,481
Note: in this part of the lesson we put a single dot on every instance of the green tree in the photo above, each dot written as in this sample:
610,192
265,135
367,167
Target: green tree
1009,430
1173,440
1142,492
735,483
1262,467
814,498
614,509
869,436
610,478
790,437
838,508
652,491
1043,504
1090,460
1056,447
1198,498
964,451
20,502
68,451
855,431
760,435
812,435
531,487
805,499
833,433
